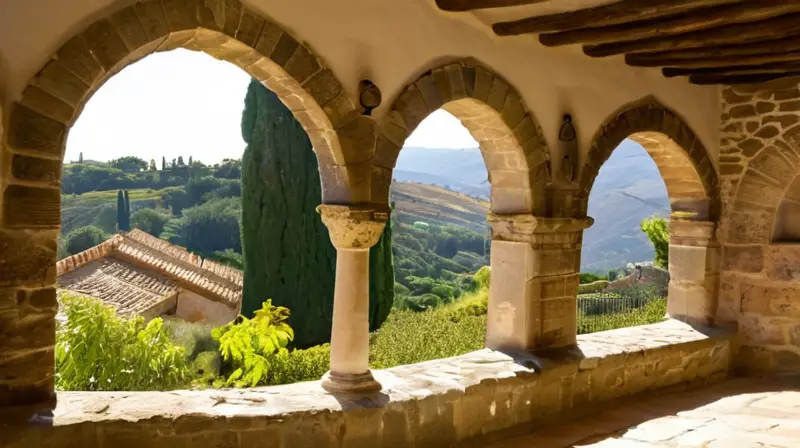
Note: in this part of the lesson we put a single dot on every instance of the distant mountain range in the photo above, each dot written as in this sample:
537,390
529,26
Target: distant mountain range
628,189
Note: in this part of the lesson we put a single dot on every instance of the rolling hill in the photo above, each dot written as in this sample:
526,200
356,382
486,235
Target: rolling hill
628,189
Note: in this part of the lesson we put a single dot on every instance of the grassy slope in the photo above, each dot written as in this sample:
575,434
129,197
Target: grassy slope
436,204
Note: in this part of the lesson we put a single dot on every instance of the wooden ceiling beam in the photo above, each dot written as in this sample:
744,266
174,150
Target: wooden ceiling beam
613,14
730,34
739,79
697,20
468,5
731,61
777,68
725,55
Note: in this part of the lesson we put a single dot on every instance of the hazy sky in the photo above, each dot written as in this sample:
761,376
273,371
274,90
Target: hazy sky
185,103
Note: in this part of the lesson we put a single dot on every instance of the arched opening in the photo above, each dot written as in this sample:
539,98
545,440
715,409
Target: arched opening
690,181
37,126
516,158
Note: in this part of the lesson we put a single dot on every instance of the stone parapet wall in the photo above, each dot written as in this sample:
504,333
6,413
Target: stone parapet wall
760,278
471,398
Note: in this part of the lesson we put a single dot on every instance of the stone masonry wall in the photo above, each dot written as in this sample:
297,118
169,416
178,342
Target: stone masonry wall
475,397
760,280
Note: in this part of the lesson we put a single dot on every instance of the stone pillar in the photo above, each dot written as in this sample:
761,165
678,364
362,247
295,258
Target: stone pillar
535,275
693,271
353,231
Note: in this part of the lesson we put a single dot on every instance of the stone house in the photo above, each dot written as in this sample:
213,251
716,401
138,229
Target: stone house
137,273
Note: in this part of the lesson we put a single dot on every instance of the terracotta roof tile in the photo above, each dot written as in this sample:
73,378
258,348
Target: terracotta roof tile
163,258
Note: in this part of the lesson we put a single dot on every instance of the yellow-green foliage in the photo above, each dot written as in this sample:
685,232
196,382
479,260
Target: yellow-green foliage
475,303
98,350
300,365
248,344
409,337
590,288
653,312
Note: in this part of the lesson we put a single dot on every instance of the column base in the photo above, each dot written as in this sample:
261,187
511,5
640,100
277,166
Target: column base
362,384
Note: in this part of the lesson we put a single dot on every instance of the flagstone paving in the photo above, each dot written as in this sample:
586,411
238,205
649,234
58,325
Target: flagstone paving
739,413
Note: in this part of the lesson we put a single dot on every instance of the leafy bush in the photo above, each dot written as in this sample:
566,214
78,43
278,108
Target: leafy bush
299,365
84,238
472,304
98,350
588,277
657,231
483,277
593,287
408,337
248,344
149,220
653,312
194,337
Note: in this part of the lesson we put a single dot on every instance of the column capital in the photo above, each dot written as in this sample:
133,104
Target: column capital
524,227
353,226
691,233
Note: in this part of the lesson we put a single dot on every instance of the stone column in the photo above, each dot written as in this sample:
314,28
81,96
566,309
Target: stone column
535,276
693,271
353,231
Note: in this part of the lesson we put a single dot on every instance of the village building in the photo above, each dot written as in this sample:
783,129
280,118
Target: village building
139,274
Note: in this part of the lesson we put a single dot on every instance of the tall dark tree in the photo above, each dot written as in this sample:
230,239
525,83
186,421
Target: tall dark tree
123,218
127,211
163,163
288,256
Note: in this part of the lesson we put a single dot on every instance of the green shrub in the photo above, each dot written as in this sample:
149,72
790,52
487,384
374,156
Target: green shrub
588,277
299,365
83,238
407,337
483,277
595,286
473,304
98,350
657,231
194,337
248,344
206,367
654,311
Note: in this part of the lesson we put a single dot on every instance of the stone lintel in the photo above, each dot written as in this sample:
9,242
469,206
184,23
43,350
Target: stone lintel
525,228
691,233
353,227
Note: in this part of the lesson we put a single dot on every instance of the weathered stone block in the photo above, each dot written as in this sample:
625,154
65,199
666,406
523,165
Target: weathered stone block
59,82
151,16
323,87
30,130
748,259
497,95
105,43
28,257
412,108
130,29
46,104
30,207
302,65
783,262
35,169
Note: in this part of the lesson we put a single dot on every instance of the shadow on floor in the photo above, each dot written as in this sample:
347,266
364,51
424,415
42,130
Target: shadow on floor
611,424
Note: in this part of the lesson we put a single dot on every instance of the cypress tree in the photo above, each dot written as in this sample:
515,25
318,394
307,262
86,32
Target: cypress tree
120,211
288,256
163,163
127,211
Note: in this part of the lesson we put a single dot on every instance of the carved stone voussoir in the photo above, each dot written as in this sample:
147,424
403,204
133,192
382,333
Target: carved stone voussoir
523,227
353,227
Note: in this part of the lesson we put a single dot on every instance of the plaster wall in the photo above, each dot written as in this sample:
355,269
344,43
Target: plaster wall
193,307
392,43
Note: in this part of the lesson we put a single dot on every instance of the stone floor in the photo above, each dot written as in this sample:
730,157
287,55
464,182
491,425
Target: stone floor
739,413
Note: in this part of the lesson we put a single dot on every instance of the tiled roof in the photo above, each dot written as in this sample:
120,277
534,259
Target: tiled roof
125,286
173,262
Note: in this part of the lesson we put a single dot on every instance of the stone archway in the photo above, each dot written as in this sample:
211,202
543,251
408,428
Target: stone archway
509,136
691,185
679,155
37,126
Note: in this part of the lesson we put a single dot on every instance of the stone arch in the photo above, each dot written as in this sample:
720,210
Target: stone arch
39,122
772,183
679,155
510,138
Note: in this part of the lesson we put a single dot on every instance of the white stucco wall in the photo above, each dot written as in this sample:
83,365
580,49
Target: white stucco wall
193,307
392,42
